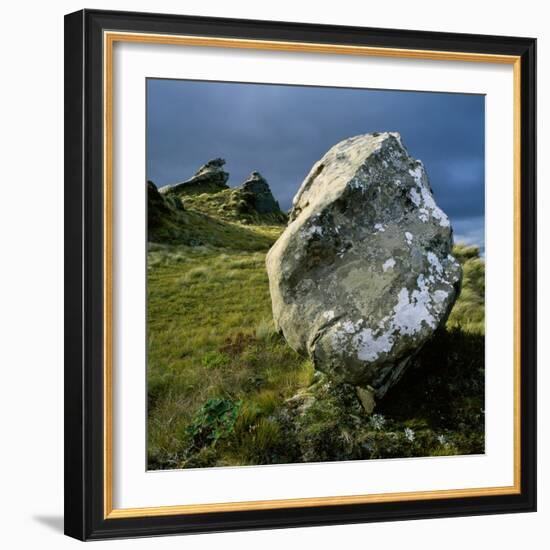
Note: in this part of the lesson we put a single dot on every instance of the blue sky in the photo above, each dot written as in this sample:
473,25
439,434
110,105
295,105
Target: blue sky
282,130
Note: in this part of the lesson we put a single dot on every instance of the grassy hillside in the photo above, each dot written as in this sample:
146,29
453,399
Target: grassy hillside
232,205
469,312
219,376
210,335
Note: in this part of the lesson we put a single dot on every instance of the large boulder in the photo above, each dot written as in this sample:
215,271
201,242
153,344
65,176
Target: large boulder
209,178
363,274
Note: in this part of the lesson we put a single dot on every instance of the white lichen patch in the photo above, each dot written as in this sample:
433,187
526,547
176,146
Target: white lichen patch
408,237
328,315
415,196
417,172
425,197
312,230
452,260
388,264
397,136
358,183
437,213
378,227
350,327
435,264
413,309
369,347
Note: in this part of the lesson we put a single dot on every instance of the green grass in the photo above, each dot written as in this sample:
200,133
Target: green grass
210,335
231,205
196,228
219,376
469,312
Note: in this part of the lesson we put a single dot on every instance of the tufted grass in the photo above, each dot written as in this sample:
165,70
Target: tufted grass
230,205
210,335
469,312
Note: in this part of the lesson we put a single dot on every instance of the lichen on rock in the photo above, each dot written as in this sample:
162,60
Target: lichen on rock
363,274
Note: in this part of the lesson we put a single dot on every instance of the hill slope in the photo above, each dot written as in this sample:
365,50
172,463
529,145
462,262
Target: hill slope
207,192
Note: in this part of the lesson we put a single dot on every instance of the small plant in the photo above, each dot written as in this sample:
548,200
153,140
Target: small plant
265,330
377,421
409,434
264,436
213,421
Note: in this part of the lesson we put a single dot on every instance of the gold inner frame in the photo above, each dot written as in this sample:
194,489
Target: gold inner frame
109,39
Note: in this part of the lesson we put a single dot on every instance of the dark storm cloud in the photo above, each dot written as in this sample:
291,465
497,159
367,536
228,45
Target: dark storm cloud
282,130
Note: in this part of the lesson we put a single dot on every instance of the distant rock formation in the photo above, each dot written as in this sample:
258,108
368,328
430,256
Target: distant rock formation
209,178
251,202
259,194
363,274
160,205
161,210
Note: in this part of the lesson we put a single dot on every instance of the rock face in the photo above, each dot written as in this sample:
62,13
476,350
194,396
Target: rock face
259,193
161,210
209,178
363,274
159,205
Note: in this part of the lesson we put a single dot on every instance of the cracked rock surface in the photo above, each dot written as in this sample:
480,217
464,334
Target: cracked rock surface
363,274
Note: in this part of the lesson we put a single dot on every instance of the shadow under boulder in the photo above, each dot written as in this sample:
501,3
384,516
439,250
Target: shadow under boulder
436,409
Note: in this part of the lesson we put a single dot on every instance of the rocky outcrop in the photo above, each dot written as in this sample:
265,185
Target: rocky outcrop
252,202
258,194
159,207
363,274
209,178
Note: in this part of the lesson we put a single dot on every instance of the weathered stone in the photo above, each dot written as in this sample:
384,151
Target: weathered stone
160,206
259,194
366,397
155,201
363,274
209,178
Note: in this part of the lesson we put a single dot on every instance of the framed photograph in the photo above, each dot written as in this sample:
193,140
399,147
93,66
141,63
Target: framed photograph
300,274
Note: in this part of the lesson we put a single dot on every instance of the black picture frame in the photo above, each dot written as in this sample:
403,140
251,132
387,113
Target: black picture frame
84,282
